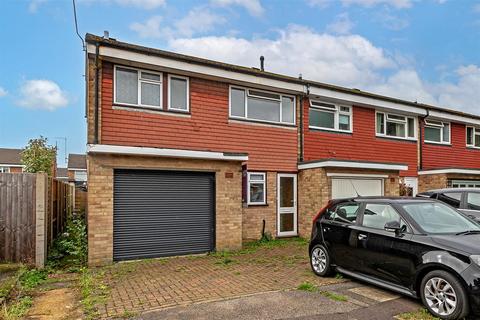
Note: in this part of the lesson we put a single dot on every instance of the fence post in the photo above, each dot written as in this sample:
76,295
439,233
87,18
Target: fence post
40,219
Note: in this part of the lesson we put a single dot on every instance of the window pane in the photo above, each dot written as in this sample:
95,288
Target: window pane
238,102
451,198
446,132
477,140
346,213
262,109
287,222
150,76
474,201
287,109
469,136
257,177
150,94
80,175
432,134
395,129
178,93
377,215
380,123
344,122
264,94
126,86
257,192
411,128
322,119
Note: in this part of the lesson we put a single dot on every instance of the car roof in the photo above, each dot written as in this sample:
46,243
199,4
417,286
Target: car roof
452,190
386,199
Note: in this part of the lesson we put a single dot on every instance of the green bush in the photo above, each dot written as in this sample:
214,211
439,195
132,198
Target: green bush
29,279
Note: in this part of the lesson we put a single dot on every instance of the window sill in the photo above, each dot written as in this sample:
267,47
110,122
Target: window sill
473,148
329,130
151,110
442,144
397,139
253,205
260,122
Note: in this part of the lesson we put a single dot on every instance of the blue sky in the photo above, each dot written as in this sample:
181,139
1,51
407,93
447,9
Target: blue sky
427,51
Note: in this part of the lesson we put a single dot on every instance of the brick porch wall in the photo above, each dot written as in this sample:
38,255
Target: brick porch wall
315,190
428,182
100,199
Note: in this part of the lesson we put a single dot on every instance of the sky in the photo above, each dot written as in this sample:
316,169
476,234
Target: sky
426,51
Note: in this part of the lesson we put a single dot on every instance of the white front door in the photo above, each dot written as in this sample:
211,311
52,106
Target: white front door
286,204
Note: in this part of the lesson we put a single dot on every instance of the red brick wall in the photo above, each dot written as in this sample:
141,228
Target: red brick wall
456,155
269,147
361,145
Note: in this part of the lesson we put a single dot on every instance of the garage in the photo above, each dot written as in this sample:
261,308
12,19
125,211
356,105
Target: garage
349,187
162,213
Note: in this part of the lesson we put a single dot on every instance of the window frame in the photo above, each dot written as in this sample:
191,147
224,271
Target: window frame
139,87
385,119
336,111
246,118
264,182
5,169
169,94
440,126
475,132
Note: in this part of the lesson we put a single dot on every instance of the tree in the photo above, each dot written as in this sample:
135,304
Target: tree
38,156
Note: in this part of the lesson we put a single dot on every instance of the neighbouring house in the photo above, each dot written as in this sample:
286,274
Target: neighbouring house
10,160
77,169
188,155
62,174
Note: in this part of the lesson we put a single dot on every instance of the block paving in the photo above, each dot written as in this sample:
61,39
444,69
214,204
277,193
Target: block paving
161,283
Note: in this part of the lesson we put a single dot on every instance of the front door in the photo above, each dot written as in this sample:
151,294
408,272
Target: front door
287,204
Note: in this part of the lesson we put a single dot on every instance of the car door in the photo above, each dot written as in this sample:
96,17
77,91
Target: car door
337,233
381,253
472,205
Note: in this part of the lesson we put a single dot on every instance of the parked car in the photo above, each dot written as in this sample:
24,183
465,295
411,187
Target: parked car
467,200
418,247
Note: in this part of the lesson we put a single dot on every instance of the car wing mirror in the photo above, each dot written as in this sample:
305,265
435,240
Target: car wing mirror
393,226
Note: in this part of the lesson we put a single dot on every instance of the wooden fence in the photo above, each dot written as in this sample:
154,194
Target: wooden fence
33,212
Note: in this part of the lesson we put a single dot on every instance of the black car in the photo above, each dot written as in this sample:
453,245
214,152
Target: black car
466,200
419,247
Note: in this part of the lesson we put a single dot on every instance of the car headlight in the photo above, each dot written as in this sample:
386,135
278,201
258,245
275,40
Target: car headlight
475,259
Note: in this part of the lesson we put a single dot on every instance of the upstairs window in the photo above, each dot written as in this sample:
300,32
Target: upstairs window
4,169
256,188
437,131
178,97
80,175
327,116
396,126
473,137
261,105
138,87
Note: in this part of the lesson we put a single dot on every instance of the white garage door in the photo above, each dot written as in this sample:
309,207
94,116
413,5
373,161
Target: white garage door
348,187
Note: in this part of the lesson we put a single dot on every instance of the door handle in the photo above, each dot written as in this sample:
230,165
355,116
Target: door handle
362,236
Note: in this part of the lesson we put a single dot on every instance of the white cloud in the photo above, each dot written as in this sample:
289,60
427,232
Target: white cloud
476,8
399,4
196,21
392,22
254,7
3,92
346,60
341,25
144,4
34,4
42,95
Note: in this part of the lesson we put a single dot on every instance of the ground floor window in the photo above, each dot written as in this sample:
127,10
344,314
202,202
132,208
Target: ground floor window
464,183
4,169
256,191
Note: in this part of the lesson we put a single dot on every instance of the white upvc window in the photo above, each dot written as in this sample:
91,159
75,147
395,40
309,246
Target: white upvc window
256,188
4,169
80,175
178,93
395,126
437,131
137,87
329,116
473,137
260,105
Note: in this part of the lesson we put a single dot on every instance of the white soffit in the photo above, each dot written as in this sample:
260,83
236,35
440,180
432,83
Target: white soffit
353,164
450,170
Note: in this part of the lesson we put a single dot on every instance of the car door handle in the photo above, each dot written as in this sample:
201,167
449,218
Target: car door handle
362,236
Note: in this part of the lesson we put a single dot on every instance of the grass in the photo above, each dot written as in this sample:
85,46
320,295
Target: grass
307,286
334,296
17,309
421,314
93,290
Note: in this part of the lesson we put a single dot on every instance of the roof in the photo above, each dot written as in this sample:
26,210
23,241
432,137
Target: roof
451,190
77,161
62,172
110,42
10,156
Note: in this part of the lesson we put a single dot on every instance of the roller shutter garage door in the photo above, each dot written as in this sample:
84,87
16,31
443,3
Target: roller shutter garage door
162,213
346,187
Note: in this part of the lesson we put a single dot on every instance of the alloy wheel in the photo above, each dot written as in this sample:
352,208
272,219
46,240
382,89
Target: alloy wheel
319,260
440,296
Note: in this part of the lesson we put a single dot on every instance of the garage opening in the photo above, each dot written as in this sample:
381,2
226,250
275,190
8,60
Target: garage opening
348,187
162,213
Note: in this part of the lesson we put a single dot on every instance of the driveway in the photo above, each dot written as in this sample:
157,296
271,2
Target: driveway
135,287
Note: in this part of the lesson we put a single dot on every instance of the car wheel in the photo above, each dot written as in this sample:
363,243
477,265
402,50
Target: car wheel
444,295
320,261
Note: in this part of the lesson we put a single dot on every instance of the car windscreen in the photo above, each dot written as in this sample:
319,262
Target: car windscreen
439,218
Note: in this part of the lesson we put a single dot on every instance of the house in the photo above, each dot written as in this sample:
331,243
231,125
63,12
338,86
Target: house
62,174
188,155
77,168
10,160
